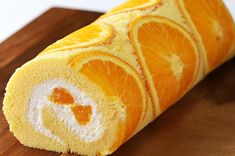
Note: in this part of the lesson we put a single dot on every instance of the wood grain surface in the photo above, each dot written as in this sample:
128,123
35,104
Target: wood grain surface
202,123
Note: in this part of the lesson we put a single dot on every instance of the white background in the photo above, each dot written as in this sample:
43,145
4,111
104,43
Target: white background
14,14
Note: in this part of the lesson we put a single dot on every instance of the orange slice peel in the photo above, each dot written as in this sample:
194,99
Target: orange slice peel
131,5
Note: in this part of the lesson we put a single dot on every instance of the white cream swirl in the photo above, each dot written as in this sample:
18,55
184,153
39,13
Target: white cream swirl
39,99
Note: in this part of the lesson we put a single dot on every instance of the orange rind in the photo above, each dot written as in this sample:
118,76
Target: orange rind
133,5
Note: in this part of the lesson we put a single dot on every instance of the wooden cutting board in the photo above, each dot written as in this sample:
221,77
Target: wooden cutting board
202,123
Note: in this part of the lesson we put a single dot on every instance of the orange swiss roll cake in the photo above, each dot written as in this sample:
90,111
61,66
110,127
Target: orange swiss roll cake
94,89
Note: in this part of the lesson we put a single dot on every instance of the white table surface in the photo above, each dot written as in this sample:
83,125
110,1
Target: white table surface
14,14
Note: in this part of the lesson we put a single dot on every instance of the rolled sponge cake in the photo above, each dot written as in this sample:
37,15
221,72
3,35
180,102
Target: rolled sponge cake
91,91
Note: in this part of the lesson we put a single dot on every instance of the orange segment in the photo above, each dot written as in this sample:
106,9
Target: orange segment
215,26
91,35
61,96
82,114
135,4
168,55
118,80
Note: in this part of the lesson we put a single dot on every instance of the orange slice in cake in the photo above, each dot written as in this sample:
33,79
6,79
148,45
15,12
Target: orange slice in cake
215,26
168,56
119,81
133,5
92,35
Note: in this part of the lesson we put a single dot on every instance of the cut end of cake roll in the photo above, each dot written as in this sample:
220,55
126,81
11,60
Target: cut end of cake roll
76,103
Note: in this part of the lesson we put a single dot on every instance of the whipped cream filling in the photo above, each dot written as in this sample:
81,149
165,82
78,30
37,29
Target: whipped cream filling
39,99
